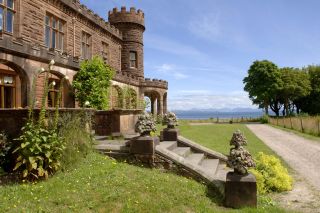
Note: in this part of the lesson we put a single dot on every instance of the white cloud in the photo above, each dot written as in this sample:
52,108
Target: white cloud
171,46
171,70
203,99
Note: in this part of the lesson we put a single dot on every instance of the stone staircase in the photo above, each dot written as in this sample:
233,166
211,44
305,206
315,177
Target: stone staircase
210,166
201,162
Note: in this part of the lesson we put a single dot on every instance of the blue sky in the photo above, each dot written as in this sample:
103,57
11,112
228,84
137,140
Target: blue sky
204,48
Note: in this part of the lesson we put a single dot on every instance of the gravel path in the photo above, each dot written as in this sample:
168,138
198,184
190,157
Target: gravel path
303,156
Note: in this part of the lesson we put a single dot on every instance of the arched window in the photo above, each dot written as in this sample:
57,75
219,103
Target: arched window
9,81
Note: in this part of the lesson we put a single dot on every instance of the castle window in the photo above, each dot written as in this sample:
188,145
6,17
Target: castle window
105,52
133,59
6,15
7,91
86,46
54,34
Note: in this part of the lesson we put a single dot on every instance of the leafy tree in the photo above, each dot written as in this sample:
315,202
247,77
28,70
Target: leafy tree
263,82
296,84
92,82
311,103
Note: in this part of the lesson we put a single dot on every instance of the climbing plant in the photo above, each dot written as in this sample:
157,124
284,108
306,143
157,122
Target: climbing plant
92,82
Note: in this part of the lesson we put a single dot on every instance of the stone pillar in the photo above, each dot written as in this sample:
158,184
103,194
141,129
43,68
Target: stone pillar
153,105
160,106
165,107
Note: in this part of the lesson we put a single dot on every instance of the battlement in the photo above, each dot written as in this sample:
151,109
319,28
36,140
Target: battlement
93,17
126,16
155,83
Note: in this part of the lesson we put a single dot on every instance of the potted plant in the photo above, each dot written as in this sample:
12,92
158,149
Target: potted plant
241,186
170,133
143,147
170,119
145,124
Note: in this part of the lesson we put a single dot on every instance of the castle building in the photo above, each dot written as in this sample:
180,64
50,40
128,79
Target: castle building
33,32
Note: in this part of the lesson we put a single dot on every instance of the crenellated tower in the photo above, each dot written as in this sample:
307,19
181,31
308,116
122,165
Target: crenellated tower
131,24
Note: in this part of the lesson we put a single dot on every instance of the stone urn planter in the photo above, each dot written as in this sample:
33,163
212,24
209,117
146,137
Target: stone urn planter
143,146
241,186
170,133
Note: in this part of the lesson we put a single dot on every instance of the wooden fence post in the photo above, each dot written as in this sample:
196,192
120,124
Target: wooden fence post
302,130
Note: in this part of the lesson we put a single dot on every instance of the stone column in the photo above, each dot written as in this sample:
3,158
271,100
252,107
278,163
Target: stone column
160,106
153,105
165,107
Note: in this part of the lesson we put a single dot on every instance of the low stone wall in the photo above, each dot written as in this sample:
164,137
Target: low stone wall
103,122
115,121
12,120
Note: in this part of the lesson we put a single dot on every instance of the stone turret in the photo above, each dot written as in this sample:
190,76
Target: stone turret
131,24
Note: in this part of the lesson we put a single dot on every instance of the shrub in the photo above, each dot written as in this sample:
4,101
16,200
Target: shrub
5,147
38,153
78,141
264,119
91,83
271,175
38,150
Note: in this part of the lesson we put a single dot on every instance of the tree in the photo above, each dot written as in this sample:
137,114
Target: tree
296,84
92,82
263,82
311,103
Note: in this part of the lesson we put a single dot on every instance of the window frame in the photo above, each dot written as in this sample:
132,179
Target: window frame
135,60
58,31
2,88
86,45
5,10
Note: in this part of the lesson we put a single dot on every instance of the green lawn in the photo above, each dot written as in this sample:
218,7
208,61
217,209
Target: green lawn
100,184
217,137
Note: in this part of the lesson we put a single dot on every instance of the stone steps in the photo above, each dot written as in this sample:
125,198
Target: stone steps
211,170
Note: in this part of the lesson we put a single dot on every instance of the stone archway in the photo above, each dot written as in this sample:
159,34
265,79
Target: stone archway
14,85
131,99
155,99
55,79
116,97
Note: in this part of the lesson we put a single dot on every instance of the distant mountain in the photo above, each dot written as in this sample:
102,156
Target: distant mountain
220,110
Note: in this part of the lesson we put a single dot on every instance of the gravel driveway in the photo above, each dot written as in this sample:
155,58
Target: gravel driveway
303,156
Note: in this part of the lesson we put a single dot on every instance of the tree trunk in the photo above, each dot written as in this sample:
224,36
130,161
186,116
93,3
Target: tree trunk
266,107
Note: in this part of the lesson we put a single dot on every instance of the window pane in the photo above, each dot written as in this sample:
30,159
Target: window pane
60,25
47,38
132,56
1,1
54,23
9,23
60,43
53,40
1,18
10,4
8,97
8,80
83,50
47,20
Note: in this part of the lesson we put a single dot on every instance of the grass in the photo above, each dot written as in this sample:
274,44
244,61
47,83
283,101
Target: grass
217,137
101,184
